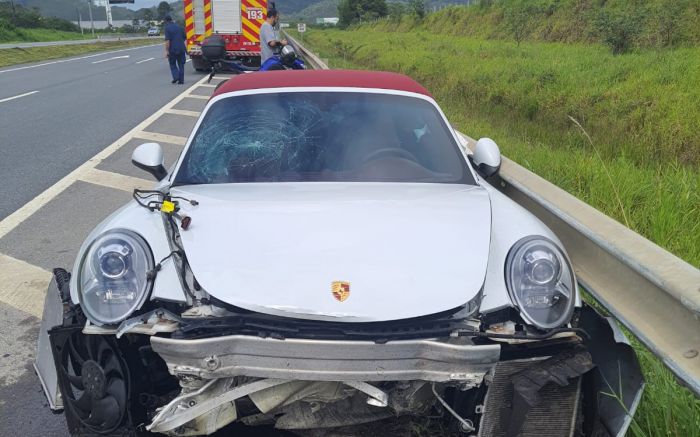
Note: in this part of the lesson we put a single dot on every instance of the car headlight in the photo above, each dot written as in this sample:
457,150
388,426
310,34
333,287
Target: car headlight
541,282
112,281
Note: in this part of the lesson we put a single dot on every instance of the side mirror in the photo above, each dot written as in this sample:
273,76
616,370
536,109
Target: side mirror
486,158
149,157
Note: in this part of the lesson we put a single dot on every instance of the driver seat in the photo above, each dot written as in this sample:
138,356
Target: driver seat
358,145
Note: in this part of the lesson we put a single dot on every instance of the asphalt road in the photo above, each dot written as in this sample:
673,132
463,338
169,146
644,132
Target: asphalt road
69,109
55,117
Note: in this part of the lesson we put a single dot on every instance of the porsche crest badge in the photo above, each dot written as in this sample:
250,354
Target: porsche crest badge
340,290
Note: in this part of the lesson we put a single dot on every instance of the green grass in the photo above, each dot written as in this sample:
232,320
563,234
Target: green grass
39,35
34,54
641,111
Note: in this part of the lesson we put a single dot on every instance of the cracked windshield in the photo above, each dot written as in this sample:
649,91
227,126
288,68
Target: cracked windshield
323,137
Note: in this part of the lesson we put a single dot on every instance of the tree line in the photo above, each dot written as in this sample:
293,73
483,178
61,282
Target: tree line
358,11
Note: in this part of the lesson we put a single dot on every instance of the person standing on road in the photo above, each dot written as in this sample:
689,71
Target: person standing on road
269,39
175,49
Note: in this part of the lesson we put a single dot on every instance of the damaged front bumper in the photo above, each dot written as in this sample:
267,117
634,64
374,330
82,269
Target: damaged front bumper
454,360
488,387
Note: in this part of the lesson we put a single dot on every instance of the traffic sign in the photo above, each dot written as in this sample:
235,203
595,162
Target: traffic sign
301,27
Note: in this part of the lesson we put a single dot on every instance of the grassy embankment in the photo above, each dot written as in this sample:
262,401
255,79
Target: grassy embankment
38,35
641,110
35,54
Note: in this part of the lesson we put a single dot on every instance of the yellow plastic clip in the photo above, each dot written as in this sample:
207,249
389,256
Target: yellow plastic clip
167,207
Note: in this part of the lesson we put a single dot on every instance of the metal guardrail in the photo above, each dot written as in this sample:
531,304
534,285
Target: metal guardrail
655,294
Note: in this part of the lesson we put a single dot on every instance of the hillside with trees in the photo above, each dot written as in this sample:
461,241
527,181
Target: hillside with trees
68,9
620,24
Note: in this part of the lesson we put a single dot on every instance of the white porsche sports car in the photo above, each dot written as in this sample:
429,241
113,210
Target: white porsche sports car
325,253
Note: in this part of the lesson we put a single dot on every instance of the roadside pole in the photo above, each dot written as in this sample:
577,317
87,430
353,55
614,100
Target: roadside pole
92,22
301,28
108,12
80,21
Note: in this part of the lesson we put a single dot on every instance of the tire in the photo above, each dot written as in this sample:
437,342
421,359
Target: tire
200,64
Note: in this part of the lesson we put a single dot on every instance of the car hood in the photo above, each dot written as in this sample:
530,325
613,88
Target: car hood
406,250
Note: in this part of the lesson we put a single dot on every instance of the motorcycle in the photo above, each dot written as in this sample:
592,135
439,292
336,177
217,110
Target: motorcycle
214,51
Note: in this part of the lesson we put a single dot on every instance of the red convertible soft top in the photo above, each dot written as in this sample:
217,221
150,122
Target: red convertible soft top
321,78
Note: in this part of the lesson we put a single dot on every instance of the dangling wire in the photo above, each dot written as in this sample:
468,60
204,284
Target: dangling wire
467,425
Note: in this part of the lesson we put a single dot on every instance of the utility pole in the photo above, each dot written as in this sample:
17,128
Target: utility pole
108,11
92,22
80,21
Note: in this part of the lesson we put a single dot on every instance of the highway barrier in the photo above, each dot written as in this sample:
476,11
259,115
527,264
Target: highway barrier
655,294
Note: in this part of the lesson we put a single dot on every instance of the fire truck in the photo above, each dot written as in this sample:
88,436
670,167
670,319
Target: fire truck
237,22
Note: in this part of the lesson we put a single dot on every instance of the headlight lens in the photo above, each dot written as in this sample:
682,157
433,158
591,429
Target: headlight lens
113,281
541,282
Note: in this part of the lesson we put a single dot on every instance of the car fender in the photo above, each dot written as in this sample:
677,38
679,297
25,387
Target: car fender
509,223
150,226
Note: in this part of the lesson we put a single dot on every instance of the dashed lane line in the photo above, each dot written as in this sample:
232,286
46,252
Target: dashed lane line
13,220
18,96
61,61
145,60
111,59
115,180
183,112
153,136
23,285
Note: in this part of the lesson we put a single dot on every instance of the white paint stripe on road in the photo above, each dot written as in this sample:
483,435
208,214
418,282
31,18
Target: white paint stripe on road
154,136
209,85
196,96
18,97
23,285
115,180
60,61
183,112
13,220
187,61
145,60
111,59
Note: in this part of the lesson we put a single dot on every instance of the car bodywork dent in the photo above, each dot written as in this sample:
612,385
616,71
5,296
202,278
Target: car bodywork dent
242,323
321,360
388,282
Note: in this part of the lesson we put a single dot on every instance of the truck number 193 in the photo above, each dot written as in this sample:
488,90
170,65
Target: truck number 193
255,14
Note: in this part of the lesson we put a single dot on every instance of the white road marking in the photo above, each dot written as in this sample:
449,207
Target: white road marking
153,136
73,59
115,180
196,96
145,60
208,85
187,61
23,285
18,97
16,218
183,112
111,59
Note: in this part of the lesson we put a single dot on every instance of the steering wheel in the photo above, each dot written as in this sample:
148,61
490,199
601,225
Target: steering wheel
390,151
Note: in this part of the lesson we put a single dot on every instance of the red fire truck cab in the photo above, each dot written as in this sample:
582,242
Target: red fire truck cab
236,21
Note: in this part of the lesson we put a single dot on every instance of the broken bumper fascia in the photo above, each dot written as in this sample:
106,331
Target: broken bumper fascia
325,360
616,383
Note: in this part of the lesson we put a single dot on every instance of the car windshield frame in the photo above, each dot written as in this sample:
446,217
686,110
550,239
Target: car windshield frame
467,176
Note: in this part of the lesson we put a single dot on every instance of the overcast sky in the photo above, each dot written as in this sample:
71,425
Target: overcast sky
138,4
